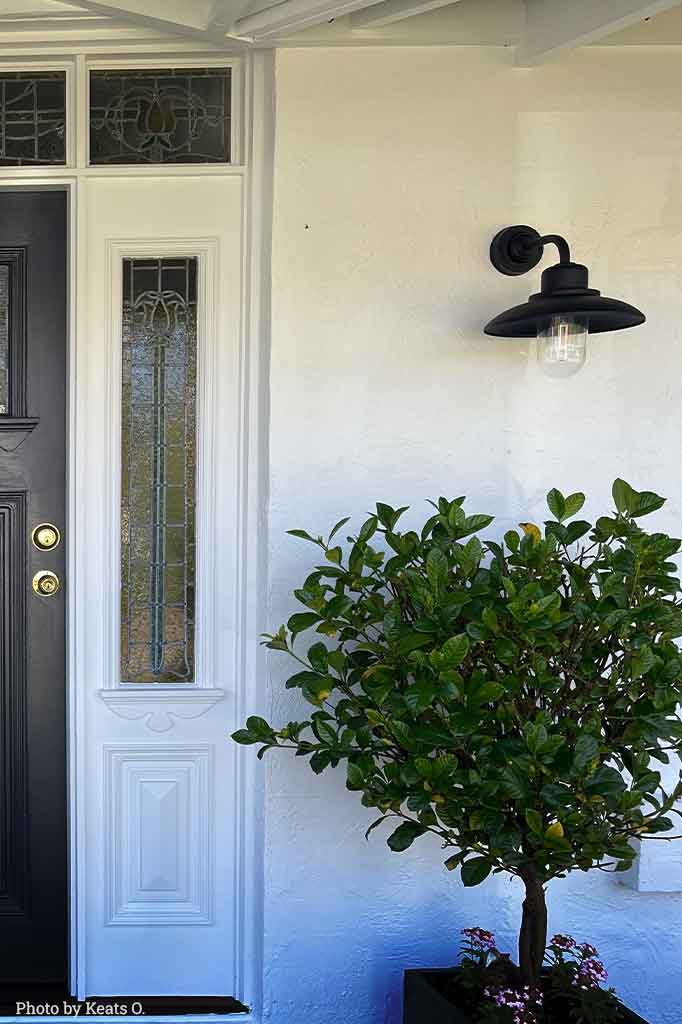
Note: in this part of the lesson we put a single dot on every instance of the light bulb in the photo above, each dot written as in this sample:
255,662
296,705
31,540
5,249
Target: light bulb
562,346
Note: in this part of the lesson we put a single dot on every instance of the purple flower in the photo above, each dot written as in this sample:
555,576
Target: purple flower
520,1002
565,942
587,951
591,974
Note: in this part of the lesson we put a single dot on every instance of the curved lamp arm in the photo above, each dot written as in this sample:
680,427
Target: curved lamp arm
518,249
561,244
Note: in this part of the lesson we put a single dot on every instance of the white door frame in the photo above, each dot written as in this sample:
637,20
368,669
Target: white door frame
256,151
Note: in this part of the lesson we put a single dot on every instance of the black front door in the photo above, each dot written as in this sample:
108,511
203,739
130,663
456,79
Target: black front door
33,838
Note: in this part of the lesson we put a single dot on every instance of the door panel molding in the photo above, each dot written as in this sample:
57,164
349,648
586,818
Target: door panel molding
15,260
14,820
15,427
160,855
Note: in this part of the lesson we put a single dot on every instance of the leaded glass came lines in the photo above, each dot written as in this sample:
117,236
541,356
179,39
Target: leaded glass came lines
160,116
32,118
158,470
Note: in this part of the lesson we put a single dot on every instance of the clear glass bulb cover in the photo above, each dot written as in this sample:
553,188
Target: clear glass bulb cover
562,346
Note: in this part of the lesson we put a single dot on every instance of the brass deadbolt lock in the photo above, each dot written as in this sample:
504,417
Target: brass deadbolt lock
46,537
46,583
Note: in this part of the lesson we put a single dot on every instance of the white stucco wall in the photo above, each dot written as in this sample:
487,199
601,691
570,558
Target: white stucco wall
393,169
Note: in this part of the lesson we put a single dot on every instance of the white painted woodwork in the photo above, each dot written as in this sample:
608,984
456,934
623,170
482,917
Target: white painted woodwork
554,26
164,848
173,15
200,216
389,11
210,361
161,710
223,14
293,16
159,861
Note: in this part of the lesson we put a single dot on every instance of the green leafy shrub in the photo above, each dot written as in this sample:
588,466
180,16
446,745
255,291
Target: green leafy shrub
511,698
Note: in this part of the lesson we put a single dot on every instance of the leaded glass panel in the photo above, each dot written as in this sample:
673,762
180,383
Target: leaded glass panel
153,116
158,470
32,118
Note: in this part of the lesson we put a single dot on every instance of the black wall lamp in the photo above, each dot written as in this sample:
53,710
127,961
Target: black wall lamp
564,311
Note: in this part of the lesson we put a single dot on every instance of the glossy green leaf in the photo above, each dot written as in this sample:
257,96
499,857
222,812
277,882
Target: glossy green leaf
455,650
585,751
624,496
573,504
405,835
302,621
436,568
556,503
475,871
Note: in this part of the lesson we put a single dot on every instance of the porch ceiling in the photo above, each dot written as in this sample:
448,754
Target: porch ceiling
538,29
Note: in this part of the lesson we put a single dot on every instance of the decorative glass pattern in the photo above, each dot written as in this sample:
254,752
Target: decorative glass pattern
160,117
158,470
4,339
32,118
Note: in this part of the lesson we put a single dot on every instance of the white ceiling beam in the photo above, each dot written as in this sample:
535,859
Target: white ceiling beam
390,11
177,17
176,14
223,14
294,15
554,26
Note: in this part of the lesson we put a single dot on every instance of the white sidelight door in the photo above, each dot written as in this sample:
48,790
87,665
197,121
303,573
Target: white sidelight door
164,594
158,541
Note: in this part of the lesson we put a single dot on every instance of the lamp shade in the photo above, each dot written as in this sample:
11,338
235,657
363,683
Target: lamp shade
564,292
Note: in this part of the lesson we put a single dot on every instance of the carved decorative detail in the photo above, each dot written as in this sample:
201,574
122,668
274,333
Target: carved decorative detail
160,708
159,841
14,430
14,839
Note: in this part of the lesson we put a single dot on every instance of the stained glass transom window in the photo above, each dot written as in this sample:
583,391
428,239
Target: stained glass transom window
158,470
4,339
32,118
158,117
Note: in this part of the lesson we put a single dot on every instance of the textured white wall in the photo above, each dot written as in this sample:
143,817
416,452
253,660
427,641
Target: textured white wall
393,169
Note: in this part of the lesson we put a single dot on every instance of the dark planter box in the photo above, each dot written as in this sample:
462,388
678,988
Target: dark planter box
424,1001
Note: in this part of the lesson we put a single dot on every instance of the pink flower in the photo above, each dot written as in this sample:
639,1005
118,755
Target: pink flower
587,951
480,937
565,942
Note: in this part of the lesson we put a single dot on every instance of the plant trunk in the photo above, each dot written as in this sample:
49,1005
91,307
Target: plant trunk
533,935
